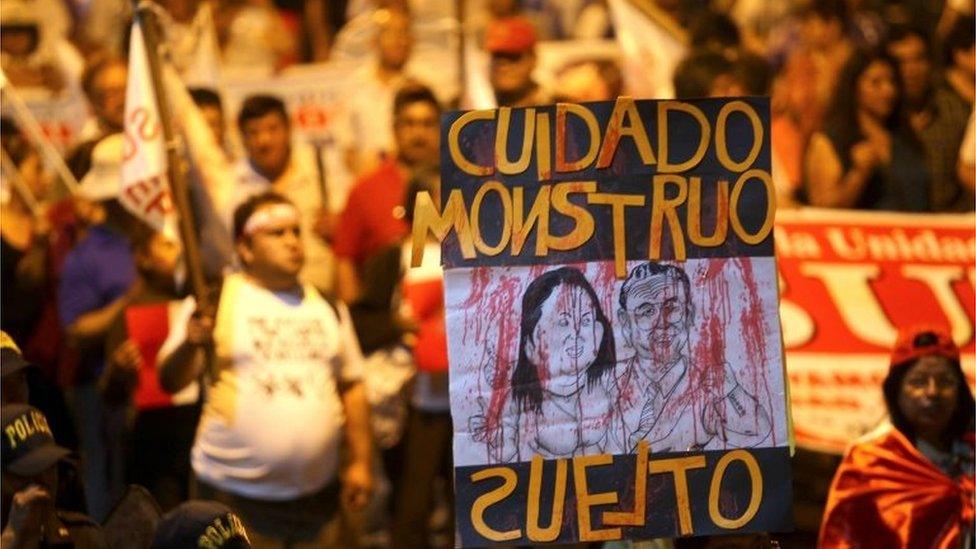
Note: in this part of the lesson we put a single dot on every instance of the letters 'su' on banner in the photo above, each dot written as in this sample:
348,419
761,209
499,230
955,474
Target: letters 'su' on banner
613,323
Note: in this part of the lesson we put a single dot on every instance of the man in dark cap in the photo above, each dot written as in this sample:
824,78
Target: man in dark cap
29,487
203,524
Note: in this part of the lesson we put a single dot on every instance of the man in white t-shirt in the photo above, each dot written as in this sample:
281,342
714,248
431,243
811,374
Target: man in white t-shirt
367,138
284,393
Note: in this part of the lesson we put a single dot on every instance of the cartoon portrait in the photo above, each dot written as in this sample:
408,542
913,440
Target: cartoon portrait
666,396
577,362
565,358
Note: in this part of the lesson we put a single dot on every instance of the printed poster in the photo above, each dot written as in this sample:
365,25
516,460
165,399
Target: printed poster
850,280
613,321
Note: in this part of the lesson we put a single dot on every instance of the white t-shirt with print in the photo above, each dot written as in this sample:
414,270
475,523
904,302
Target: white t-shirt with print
272,421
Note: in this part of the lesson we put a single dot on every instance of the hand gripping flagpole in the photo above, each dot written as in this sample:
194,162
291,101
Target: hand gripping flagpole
179,191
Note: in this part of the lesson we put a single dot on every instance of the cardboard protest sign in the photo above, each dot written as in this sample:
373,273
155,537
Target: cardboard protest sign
850,280
612,317
61,117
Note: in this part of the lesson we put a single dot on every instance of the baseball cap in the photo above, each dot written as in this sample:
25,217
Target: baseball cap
203,524
104,178
510,35
18,13
28,444
11,359
917,341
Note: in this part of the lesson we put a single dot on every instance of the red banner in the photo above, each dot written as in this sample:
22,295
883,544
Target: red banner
849,280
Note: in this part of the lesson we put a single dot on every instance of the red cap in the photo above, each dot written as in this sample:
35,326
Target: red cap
918,341
510,35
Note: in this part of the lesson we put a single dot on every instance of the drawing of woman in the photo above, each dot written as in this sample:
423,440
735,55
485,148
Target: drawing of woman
559,403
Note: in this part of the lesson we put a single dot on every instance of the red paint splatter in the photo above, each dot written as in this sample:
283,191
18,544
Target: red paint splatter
754,336
707,364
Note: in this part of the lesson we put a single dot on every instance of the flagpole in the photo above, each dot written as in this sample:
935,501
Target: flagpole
179,190
28,124
319,146
19,184
462,56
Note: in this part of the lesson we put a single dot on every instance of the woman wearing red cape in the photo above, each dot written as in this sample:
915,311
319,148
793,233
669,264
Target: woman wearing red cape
910,484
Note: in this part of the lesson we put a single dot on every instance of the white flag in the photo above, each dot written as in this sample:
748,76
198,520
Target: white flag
145,185
651,49
478,93
194,50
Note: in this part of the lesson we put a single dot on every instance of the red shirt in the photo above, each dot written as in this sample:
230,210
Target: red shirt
426,299
369,222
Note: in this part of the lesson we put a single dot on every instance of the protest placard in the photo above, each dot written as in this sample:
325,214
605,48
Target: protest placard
61,117
612,317
850,280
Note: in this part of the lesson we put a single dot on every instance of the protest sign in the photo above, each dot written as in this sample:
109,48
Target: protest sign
61,117
850,280
612,317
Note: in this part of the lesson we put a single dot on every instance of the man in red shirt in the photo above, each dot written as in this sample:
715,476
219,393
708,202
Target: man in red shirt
374,215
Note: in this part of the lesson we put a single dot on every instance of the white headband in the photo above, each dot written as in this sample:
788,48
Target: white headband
268,215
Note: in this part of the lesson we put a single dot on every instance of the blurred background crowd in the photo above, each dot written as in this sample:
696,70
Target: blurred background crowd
334,104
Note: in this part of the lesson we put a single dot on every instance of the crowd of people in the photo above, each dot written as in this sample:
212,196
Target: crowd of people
305,397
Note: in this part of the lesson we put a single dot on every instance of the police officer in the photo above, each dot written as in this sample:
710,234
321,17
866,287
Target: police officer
29,487
202,524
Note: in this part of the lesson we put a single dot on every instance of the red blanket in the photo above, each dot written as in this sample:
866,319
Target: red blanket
887,494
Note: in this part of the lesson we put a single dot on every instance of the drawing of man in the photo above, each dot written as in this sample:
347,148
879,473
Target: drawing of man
664,397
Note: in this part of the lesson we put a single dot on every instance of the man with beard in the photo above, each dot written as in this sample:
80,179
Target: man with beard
662,397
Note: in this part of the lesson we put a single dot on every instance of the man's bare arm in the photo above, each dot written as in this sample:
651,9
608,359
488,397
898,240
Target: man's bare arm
357,481
348,281
93,325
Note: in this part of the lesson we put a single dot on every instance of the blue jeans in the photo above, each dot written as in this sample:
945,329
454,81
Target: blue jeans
101,430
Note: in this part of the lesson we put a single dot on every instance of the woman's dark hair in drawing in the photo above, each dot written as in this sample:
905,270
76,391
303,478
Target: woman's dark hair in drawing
526,386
